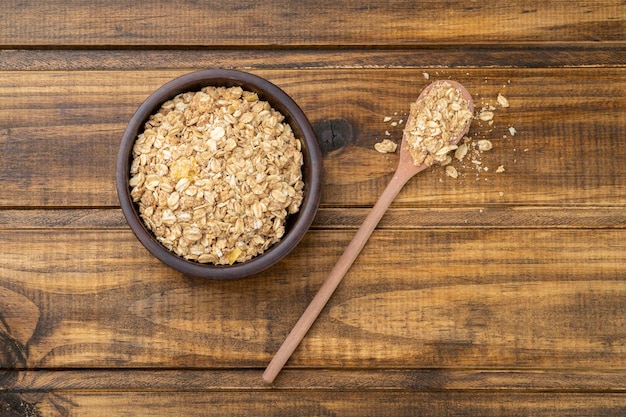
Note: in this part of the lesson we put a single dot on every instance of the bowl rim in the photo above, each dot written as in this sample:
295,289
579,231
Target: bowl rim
279,100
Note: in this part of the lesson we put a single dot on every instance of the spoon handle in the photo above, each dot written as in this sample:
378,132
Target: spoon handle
336,275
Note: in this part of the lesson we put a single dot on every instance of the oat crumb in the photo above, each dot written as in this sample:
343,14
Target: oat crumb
485,115
500,169
503,101
386,146
451,171
387,119
512,131
484,145
426,75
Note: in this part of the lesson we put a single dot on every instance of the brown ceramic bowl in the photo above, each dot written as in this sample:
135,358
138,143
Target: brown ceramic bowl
297,224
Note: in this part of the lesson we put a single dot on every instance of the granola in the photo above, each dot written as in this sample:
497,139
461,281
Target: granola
215,174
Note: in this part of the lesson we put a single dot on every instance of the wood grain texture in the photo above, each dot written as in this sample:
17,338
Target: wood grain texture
495,294
325,403
546,392
551,55
301,379
471,217
567,149
294,23
523,298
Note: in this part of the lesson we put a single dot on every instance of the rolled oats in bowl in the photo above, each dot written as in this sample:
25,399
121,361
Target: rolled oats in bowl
216,173
219,174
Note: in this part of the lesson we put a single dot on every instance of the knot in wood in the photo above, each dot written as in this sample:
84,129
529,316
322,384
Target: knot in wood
334,134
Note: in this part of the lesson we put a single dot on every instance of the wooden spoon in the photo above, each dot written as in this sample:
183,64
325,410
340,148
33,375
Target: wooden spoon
406,169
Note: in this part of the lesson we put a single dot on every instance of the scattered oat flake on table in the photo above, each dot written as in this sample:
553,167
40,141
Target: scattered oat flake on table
485,115
387,119
500,169
386,146
451,171
426,75
503,101
484,145
512,131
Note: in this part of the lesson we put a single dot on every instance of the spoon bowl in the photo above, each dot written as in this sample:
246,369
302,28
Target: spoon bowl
405,171
406,164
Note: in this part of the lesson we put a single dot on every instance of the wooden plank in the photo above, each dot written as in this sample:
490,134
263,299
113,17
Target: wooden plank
49,392
302,379
62,218
323,402
495,294
566,151
491,217
611,54
462,298
287,23
481,217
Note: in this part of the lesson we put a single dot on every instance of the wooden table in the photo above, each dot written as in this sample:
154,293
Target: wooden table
499,293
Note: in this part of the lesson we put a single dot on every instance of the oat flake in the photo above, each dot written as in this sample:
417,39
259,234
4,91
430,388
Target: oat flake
215,175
